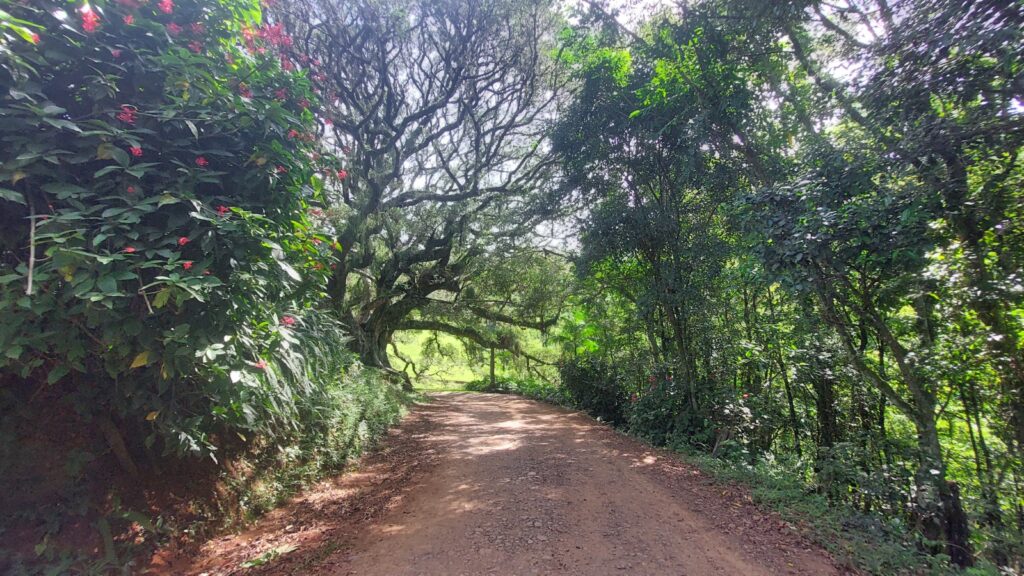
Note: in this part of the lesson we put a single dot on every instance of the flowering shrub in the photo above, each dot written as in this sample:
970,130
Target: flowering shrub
158,166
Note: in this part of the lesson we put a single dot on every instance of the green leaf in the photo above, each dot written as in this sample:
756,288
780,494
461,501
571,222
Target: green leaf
56,374
106,170
64,190
107,284
160,300
58,123
289,270
11,196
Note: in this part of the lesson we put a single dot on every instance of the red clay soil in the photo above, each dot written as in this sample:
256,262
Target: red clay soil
493,484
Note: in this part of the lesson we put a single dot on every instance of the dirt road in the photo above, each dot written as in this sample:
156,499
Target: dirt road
492,484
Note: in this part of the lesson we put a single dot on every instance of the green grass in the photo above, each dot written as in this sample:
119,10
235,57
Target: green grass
443,364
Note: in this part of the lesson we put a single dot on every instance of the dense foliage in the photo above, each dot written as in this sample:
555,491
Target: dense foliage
157,242
161,201
801,246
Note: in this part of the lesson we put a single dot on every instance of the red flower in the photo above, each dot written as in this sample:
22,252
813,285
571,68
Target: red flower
262,364
174,29
130,189
342,174
195,46
244,91
127,114
136,151
281,170
281,93
129,19
90,20
183,240
187,264
201,162
115,53
35,38
166,6
129,249
222,210
287,320
303,103
293,133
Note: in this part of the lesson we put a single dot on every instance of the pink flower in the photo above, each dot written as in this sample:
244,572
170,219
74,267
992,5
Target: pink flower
281,170
328,122
115,53
745,396
303,103
35,38
183,240
206,272
262,364
129,250
166,6
201,162
129,19
222,210
130,189
244,91
195,46
293,133
287,320
187,264
90,20
136,151
197,28
174,29
342,174
281,93
127,114
317,241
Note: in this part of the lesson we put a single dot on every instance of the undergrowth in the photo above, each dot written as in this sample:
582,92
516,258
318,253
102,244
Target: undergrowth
528,387
865,541
350,409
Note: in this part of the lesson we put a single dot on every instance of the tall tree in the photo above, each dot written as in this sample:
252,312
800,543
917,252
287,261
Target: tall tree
440,108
